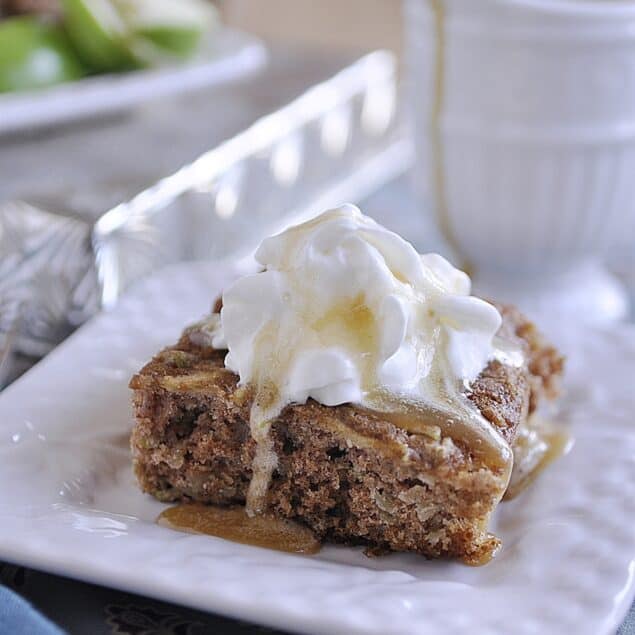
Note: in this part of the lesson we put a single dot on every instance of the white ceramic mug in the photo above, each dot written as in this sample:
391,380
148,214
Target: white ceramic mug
524,115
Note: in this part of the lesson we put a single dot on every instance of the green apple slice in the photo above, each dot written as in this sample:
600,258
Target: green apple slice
99,34
160,29
182,41
34,54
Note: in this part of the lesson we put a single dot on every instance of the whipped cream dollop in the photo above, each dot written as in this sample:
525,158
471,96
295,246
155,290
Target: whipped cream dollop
344,308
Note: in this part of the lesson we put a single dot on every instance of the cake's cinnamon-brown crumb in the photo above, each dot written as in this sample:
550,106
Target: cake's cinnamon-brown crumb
343,471
545,363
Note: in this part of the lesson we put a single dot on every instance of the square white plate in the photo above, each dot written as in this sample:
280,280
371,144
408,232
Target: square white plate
68,503
226,55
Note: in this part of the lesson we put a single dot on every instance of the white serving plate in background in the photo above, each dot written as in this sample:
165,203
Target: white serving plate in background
69,505
226,55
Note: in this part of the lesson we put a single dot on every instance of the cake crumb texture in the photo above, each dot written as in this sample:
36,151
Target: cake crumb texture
348,475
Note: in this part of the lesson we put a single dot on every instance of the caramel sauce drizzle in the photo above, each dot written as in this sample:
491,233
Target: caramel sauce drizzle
349,322
467,426
437,155
537,445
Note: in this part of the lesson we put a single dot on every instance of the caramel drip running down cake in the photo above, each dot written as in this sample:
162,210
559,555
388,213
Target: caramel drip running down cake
354,387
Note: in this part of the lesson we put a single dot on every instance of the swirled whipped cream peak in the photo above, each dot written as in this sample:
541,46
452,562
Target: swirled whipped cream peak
345,307
346,311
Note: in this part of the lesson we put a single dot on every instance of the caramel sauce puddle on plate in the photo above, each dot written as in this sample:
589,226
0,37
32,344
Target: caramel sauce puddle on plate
233,523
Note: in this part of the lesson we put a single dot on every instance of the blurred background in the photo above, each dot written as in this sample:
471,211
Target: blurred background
100,100
340,26
135,134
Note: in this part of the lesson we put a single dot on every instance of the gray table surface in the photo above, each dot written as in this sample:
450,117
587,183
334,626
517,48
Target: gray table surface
132,150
